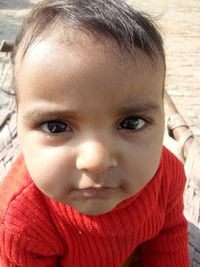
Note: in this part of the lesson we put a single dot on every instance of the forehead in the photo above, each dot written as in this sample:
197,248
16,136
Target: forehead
86,65
83,43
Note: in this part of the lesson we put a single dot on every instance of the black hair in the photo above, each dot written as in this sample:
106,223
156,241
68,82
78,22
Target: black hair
111,18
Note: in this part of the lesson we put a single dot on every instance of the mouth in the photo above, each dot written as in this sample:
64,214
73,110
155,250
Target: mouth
95,192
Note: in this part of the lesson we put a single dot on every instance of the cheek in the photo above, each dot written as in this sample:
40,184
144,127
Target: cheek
51,168
142,162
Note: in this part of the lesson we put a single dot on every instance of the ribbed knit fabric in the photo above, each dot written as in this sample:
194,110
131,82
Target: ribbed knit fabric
36,231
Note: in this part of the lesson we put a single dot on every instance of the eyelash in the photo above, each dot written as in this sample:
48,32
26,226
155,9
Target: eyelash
56,127
61,127
131,124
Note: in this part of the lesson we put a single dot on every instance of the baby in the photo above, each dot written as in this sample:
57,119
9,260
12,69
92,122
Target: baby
93,182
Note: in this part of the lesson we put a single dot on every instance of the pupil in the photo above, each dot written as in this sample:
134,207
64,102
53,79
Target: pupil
56,127
130,124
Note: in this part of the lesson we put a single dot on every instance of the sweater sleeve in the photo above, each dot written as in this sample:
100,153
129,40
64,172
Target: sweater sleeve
27,237
32,260
169,248
40,248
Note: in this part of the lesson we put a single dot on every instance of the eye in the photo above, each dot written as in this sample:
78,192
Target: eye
55,127
132,124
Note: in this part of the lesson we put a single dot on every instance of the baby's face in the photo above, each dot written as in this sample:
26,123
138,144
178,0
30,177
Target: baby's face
90,126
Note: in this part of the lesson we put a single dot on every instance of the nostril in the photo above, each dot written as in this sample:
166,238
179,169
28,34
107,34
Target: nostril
94,165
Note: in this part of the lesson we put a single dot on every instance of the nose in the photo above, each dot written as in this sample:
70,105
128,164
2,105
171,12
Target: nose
95,157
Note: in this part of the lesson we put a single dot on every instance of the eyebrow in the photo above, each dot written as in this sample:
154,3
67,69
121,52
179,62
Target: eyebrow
44,114
40,114
141,107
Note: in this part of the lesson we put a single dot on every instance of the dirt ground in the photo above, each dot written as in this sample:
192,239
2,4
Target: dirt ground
179,22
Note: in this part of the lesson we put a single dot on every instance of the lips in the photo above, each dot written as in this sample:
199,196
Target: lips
95,192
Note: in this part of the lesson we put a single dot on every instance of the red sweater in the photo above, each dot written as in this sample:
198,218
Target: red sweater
36,231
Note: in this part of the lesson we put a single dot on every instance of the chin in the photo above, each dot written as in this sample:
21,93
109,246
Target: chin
93,212
90,206
94,209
